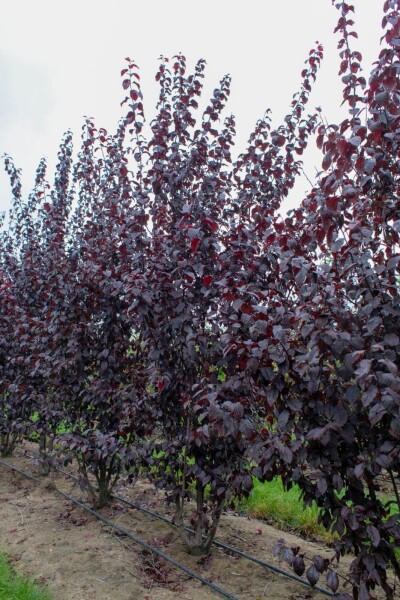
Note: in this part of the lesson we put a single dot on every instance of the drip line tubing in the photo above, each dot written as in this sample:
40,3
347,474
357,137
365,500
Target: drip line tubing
127,533
232,549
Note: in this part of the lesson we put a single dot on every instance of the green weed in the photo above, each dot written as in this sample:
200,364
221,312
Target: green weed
15,587
284,509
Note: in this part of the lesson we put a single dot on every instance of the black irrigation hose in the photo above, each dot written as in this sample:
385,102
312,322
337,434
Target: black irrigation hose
232,549
129,535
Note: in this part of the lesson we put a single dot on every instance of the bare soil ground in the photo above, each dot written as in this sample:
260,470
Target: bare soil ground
79,558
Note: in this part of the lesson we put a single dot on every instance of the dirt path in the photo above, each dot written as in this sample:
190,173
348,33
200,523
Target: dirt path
79,558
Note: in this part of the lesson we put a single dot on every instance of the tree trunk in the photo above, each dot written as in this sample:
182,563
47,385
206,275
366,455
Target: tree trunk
199,540
7,444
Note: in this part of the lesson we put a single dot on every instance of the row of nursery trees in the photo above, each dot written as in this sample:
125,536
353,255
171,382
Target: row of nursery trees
158,314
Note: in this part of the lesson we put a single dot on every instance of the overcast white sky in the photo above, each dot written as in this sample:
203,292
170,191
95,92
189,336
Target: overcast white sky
62,60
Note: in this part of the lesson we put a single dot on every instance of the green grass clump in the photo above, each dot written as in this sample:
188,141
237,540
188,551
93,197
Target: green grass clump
285,510
15,587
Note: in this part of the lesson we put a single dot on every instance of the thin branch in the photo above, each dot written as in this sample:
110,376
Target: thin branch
19,510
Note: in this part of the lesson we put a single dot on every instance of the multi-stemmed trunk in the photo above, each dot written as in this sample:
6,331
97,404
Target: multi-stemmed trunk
199,539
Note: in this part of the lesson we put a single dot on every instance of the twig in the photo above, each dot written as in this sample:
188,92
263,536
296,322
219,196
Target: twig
117,558
239,537
127,547
19,510
123,543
